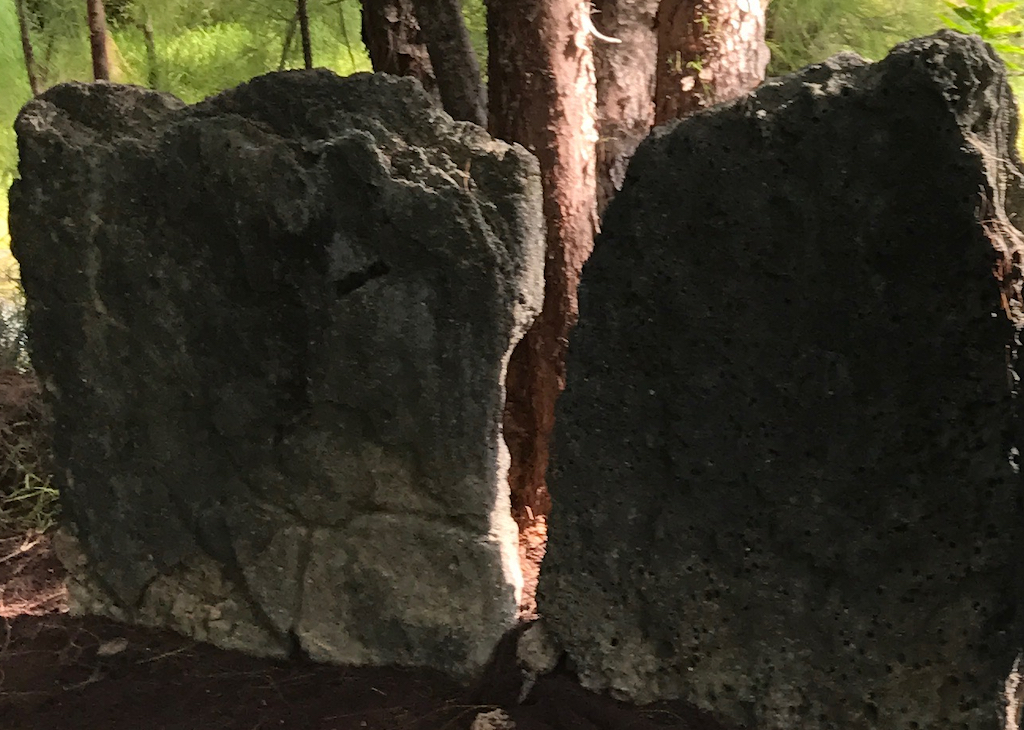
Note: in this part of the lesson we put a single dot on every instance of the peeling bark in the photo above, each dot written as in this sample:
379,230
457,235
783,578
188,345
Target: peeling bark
625,87
709,51
542,95
394,42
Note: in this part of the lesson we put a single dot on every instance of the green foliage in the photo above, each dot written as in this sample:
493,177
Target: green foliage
14,83
802,32
988,20
202,61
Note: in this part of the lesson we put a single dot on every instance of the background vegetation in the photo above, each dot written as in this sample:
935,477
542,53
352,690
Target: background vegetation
802,32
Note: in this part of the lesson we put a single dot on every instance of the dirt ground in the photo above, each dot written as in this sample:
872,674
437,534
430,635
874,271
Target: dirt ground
63,673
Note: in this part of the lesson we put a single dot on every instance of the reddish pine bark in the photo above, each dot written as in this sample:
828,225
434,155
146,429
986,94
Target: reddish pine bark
709,51
625,86
542,95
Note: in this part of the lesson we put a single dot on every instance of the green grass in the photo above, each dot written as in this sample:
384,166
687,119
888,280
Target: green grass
32,506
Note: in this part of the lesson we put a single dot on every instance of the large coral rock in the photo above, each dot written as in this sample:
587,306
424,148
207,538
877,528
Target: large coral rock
273,330
782,471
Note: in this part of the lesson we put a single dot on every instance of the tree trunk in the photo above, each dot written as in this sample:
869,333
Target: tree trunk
307,45
289,36
625,87
98,40
26,47
709,51
152,60
453,59
394,43
542,95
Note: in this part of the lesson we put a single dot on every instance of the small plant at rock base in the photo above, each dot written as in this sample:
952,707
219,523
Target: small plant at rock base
31,507
29,502
983,18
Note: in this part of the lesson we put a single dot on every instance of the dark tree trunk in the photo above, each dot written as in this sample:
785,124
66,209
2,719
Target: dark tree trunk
98,40
394,42
453,59
542,95
625,86
26,47
289,36
709,51
307,45
152,60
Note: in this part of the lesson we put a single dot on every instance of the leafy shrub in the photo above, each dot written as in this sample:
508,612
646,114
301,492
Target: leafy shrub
987,20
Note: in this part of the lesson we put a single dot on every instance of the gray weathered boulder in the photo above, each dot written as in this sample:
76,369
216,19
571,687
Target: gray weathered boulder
782,477
273,330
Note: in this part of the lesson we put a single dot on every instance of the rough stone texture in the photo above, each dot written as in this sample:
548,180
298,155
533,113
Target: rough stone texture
781,477
273,329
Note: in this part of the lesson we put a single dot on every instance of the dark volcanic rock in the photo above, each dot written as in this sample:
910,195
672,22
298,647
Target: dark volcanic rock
782,477
273,329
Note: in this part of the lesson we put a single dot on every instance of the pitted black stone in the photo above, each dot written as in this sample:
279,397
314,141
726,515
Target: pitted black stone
781,470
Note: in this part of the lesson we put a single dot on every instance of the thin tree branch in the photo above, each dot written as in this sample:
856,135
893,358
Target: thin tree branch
152,60
307,46
289,34
26,47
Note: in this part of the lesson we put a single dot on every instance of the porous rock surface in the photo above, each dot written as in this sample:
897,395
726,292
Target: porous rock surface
273,329
782,477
